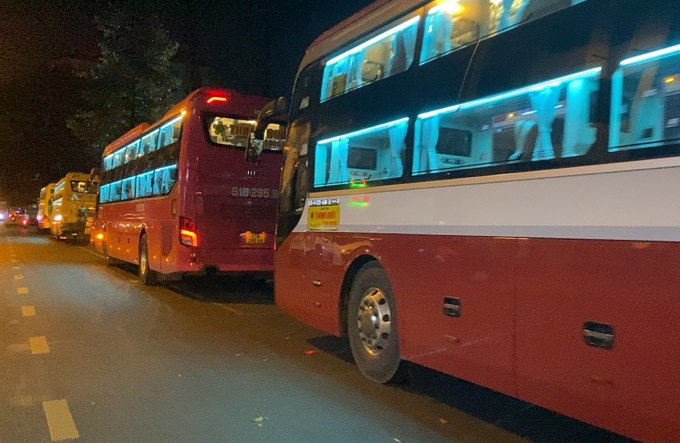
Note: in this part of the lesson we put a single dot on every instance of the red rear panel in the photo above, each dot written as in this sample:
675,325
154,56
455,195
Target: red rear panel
232,201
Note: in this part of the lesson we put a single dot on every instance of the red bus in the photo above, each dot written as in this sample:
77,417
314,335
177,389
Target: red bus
485,188
178,197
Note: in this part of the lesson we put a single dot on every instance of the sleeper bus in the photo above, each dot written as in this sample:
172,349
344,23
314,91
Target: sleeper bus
45,208
74,200
486,188
178,196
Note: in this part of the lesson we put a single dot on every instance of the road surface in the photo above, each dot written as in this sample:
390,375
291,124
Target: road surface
89,354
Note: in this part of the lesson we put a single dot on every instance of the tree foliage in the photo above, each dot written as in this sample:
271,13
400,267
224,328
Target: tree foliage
135,80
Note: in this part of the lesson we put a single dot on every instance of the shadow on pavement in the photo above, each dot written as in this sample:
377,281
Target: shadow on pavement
516,416
240,289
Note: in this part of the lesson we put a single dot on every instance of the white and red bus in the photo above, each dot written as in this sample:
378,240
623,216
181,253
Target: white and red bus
178,197
487,188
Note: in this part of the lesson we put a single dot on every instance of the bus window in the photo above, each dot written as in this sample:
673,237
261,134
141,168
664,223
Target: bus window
229,131
128,191
108,162
543,121
131,151
115,191
144,184
149,142
451,24
369,154
646,101
388,53
164,179
84,187
104,194
169,132
118,158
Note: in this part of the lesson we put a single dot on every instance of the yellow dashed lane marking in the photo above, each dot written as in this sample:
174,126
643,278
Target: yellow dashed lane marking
22,290
39,345
28,311
16,268
18,277
14,260
60,421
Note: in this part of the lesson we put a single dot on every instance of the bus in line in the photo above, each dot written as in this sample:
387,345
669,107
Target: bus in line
486,188
178,196
74,200
45,208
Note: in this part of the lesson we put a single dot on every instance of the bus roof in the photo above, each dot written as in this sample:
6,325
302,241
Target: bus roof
236,101
75,176
371,17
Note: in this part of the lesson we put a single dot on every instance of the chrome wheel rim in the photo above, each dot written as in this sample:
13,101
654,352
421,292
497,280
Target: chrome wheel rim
374,321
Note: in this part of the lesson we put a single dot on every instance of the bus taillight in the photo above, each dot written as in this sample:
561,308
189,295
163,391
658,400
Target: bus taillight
188,232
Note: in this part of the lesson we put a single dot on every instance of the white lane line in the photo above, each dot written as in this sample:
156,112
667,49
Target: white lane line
60,420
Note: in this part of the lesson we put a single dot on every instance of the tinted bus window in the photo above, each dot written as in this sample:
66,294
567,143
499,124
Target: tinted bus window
646,101
149,142
144,185
131,151
543,121
451,24
389,52
369,154
169,132
164,179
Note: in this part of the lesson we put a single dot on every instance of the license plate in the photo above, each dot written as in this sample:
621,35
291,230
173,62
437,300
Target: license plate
252,238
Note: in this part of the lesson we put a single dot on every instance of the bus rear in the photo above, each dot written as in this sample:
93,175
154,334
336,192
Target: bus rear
178,196
74,203
228,213
45,208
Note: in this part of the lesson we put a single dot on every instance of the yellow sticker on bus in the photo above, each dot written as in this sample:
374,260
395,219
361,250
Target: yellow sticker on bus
323,218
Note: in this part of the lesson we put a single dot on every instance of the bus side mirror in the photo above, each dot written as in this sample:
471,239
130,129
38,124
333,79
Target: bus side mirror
276,110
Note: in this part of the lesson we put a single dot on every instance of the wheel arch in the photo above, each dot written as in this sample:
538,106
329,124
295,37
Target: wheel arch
348,279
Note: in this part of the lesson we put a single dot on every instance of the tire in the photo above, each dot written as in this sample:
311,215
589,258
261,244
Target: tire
110,261
372,326
147,276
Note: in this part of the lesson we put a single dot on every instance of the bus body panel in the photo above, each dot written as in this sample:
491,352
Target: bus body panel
226,197
525,293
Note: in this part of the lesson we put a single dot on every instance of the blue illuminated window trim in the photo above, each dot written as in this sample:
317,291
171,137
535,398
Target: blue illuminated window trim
374,40
138,140
514,93
654,55
364,131
172,122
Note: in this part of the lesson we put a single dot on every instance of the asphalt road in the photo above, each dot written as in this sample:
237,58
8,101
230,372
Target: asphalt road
88,353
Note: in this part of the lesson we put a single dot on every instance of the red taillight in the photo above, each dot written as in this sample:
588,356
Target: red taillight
214,99
188,232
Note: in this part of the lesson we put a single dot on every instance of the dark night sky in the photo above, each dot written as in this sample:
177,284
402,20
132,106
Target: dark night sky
253,46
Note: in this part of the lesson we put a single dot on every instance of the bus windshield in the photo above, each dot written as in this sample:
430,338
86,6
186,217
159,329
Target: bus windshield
84,187
236,132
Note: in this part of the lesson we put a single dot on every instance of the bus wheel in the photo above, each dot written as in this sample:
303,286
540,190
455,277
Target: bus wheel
146,275
110,261
372,326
